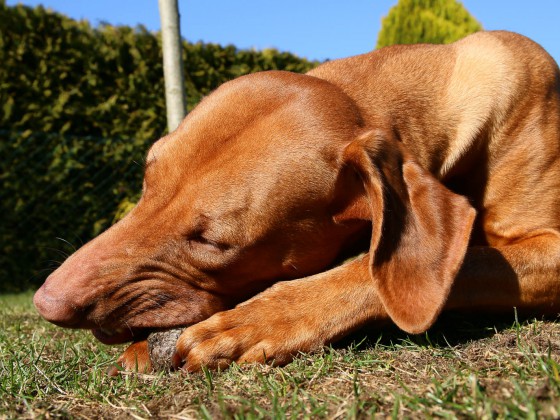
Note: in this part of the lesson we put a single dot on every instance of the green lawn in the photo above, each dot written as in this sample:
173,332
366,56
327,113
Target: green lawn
481,369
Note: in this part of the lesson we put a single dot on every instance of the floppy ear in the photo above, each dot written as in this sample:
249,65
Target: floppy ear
420,230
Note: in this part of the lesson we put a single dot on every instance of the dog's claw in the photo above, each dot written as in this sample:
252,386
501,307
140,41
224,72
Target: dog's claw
177,361
112,371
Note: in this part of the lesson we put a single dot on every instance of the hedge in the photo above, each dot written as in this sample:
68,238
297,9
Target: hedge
80,107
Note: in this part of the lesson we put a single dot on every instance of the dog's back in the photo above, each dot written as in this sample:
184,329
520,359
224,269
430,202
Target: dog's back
444,99
488,104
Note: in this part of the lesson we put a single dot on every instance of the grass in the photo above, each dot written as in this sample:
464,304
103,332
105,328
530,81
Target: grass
461,369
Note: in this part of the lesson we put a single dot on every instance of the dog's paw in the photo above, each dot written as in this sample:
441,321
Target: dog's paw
262,330
136,358
225,338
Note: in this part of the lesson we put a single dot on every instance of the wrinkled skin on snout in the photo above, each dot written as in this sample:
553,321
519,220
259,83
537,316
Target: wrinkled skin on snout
242,195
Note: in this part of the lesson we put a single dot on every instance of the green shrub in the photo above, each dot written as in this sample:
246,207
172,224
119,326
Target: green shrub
426,21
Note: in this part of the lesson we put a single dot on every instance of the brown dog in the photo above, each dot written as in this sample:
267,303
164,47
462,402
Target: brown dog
276,178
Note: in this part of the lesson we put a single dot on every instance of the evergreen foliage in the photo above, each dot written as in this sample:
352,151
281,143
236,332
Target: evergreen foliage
426,21
79,108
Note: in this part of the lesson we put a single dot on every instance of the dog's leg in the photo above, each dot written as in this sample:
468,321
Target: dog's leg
306,314
290,317
524,274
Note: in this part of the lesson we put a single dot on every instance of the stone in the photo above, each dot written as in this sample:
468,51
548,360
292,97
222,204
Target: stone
161,346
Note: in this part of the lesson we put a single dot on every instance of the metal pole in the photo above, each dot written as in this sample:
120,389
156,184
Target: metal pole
175,98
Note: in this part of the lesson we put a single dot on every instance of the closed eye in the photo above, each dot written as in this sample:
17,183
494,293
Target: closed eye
199,240
209,255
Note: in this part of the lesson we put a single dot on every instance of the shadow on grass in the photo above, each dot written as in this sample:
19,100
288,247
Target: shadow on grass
451,329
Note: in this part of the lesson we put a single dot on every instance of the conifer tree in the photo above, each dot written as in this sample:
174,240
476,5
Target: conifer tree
426,21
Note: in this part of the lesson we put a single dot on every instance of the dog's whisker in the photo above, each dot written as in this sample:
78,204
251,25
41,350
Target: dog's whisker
67,242
59,252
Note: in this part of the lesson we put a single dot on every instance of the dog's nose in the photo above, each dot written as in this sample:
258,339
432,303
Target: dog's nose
55,309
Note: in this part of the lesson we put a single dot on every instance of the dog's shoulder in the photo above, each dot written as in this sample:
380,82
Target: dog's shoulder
494,70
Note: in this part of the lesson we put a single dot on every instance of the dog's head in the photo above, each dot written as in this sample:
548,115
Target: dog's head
272,177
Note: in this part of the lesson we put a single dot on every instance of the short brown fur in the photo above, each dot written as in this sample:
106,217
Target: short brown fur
440,163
